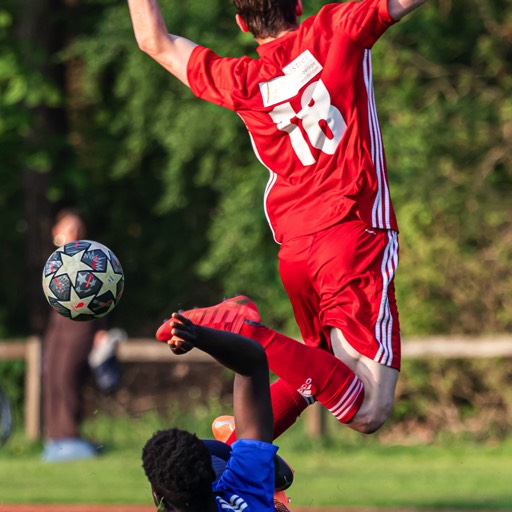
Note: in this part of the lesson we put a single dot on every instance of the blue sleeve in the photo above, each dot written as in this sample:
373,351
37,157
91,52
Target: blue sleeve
249,475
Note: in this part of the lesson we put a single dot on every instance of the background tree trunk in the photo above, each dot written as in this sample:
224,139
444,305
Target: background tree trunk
41,31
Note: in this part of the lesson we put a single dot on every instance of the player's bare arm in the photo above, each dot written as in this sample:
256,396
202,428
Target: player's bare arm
169,50
399,8
251,392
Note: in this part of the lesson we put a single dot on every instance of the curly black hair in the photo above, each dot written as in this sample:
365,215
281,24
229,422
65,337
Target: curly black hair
178,466
267,18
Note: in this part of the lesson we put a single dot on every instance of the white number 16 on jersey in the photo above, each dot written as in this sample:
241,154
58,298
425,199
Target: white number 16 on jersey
321,122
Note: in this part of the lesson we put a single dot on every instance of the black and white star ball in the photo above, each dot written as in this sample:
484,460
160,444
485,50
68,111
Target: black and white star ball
83,280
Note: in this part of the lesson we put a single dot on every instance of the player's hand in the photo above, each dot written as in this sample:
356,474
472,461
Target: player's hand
179,333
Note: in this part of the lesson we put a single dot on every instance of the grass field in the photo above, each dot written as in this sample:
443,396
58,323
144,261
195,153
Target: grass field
346,470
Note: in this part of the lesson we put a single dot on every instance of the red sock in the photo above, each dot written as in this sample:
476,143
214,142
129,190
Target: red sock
314,372
287,405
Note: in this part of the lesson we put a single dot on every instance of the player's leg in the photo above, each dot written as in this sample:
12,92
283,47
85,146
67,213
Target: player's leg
231,315
287,405
306,373
65,366
314,372
379,383
344,277
374,357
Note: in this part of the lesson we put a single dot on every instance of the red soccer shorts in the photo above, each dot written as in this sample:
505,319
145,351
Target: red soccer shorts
343,277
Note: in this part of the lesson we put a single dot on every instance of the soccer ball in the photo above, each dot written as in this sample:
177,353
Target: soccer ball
83,280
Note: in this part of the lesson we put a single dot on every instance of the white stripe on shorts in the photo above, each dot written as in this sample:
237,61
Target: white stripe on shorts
384,325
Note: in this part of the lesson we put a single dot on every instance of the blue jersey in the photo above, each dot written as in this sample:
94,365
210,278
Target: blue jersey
247,483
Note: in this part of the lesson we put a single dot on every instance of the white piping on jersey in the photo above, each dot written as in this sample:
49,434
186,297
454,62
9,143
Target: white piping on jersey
382,205
235,503
384,324
341,408
270,183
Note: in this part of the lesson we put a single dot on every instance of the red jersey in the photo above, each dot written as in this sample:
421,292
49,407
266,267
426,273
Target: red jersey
309,107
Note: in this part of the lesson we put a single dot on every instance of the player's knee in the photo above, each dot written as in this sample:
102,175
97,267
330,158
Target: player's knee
371,419
381,415
372,425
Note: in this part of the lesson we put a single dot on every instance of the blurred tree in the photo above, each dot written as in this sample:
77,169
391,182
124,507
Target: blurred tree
445,90
33,130
12,120
45,138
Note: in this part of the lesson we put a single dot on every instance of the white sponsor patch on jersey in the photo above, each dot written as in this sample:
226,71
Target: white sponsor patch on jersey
296,74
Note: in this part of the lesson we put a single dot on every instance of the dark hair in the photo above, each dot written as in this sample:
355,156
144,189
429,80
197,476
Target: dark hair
178,466
267,18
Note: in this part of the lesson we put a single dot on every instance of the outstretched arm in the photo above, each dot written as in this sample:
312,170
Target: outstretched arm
251,392
169,50
399,8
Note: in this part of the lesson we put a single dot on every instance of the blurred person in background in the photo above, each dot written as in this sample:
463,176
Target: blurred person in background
71,349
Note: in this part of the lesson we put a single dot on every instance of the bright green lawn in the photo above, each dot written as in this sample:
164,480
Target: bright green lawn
350,470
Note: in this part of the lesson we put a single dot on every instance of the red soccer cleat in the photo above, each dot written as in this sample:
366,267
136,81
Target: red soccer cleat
223,427
229,315
281,502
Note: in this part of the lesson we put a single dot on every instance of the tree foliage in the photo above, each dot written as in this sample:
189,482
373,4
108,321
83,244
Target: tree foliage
447,115
171,183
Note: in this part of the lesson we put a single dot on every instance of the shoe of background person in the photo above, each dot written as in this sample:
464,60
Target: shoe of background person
104,363
67,449
229,315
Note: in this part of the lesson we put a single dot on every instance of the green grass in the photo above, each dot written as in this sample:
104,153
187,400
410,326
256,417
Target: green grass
459,477
345,470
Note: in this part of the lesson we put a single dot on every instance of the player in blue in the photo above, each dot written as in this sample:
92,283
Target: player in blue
178,464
